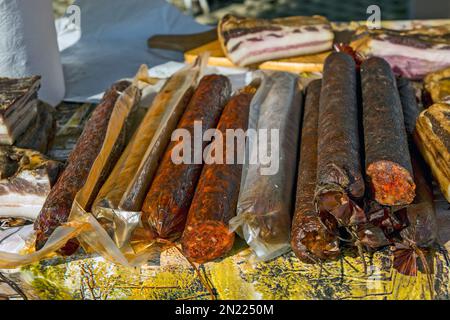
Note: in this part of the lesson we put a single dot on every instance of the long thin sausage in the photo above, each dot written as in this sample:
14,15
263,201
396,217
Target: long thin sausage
310,239
421,214
266,199
421,234
339,177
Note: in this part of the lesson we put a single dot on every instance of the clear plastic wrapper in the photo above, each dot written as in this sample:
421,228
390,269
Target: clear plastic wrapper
118,203
266,195
63,237
112,148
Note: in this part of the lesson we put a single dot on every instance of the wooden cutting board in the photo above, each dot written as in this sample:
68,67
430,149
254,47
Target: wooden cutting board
309,63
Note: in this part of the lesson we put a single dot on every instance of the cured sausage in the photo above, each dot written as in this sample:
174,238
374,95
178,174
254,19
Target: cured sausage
421,213
174,98
58,204
207,236
388,162
167,203
310,240
339,177
266,198
422,230
410,107
123,193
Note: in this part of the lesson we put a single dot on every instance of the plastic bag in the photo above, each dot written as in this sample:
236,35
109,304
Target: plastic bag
265,201
120,199
112,146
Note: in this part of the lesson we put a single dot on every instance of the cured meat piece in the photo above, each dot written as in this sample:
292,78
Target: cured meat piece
381,225
410,107
167,203
421,213
174,98
339,178
421,233
26,178
248,41
411,53
437,84
388,162
310,239
119,127
57,206
433,139
123,193
18,102
266,195
41,131
207,236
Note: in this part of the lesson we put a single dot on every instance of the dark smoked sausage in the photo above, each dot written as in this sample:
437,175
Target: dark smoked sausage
167,203
58,204
339,177
206,236
310,240
388,162
421,233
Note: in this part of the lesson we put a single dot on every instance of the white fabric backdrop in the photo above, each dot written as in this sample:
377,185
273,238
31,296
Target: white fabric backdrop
113,42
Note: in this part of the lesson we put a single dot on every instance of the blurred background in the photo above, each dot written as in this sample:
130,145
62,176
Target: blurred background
209,11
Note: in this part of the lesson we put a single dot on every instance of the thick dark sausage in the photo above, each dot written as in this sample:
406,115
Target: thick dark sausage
388,162
339,177
167,203
422,230
421,214
58,204
207,236
310,239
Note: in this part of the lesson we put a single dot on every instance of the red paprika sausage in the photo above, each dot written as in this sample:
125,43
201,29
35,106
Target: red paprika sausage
206,236
167,203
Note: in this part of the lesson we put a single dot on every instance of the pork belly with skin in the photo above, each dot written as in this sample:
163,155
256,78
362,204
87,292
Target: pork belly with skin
249,41
26,177
410,53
